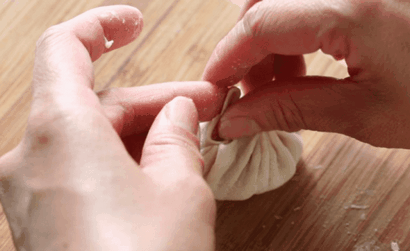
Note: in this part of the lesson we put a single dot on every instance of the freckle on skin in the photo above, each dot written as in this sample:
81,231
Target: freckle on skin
43,140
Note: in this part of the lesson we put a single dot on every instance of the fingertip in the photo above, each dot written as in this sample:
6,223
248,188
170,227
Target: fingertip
226,130
122,24
208,71
106,28
222,73
136,21
212,72
209,104
230,128
233,57
173,139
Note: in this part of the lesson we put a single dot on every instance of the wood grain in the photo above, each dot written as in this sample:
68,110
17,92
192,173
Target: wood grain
346,195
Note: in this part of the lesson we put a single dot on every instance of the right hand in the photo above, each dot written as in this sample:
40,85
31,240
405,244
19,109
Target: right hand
265,50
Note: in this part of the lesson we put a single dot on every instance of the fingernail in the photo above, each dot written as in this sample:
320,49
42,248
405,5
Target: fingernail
238,127
182,112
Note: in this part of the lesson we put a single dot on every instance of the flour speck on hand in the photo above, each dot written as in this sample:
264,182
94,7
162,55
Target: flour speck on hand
394,246
108,44
114,14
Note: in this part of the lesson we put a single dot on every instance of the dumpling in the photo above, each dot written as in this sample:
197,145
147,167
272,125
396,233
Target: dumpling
238,169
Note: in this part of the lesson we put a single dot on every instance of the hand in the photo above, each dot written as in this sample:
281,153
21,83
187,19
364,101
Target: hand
71,183
265,50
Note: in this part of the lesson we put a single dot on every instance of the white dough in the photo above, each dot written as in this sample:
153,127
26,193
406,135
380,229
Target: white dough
241,168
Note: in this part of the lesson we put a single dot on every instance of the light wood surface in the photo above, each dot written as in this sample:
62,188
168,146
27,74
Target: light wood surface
346,195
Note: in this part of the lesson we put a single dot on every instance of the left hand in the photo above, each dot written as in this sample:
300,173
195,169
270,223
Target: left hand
74,182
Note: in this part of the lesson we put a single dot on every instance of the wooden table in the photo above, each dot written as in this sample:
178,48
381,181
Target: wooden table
346,195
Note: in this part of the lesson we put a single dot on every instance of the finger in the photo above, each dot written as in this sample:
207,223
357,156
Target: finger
172,145
273,67
246,6
119,24
259,74
63,66
275,27
321,104
262,72
132,110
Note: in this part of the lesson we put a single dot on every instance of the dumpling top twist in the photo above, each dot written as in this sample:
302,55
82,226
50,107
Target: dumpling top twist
238,169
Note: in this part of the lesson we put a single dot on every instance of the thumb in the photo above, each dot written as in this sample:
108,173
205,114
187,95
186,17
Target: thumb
172,141
314,103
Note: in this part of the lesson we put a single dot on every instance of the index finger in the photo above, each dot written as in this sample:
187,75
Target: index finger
277,27
132,110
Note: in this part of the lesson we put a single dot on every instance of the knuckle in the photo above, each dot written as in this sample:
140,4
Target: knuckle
45,123
357,13
254,20
111,98
167,147
202,193
41,124
285,115
165,140
108,96
195,188
117,111
50,36
192,190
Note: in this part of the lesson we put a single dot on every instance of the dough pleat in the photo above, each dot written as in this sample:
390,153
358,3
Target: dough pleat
241,168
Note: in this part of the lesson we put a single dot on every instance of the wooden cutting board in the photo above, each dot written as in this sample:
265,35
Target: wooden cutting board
346,195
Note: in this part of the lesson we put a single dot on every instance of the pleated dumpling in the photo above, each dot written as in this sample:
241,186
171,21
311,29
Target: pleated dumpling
238,169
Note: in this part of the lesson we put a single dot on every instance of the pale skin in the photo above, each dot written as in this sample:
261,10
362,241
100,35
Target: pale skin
264,51
84,179
79,179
